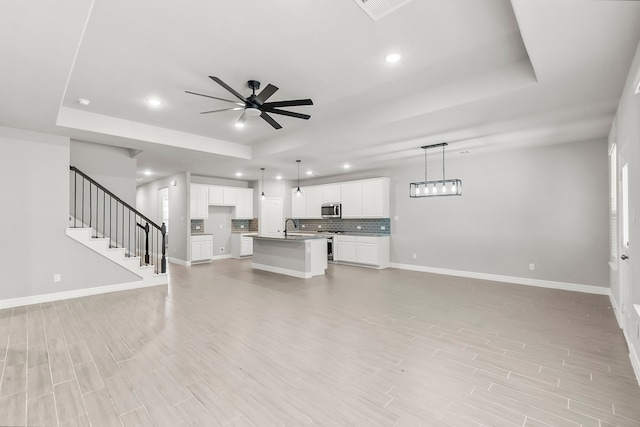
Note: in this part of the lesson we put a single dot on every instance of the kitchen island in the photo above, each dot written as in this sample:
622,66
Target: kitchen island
293,255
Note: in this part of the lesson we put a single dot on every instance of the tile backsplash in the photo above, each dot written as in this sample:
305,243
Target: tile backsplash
244,225
197,226
373,226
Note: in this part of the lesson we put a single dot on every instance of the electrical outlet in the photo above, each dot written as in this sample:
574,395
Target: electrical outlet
221,250
319,226
396,218
57,278
532,266
304,226
242,226
382,227
358,227
415,256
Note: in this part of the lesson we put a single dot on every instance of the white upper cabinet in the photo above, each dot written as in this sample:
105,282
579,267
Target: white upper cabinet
244,203
298,204
215,195
314,202
229,196
351,199
367,198
199,201
375,198
331,193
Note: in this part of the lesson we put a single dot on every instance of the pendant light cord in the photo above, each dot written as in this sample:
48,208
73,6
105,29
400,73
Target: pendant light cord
443,163
425,165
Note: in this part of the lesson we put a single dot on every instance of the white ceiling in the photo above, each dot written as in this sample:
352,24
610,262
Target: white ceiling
480,74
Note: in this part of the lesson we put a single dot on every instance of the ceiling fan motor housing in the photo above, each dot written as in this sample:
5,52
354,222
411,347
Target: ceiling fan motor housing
254,85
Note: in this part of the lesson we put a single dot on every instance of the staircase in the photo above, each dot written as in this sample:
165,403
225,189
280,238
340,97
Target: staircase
109,226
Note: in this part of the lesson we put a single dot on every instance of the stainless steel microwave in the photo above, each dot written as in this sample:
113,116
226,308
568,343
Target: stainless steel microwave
331,210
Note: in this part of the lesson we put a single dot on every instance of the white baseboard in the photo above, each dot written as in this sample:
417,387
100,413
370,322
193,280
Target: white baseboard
223,256
590,289
179,261
38,299
616,310
286,271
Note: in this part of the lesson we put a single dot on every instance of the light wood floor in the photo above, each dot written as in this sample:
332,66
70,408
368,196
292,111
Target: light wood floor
226,345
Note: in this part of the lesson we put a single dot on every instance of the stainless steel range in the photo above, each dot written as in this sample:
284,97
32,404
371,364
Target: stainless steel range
330,246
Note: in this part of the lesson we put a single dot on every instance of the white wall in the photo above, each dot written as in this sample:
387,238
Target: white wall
626,134
34,171
112,167
546,206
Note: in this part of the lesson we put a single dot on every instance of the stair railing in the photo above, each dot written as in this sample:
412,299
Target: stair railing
108,216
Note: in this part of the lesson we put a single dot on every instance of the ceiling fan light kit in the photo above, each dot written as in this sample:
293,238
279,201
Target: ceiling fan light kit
435,188
256,105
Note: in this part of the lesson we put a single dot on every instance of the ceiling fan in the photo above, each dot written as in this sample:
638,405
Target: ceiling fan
256,105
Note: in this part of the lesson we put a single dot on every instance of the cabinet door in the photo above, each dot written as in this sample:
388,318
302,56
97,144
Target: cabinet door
375,198
244,203
215,195
207,250
298,204
351,200
314,202
246,246
198,203
229,196
344,248
196,251
331,193
367,253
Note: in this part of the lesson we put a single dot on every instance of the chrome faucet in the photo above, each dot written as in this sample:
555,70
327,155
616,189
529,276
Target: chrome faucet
295,225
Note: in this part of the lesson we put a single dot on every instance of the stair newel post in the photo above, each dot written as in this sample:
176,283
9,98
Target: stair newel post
75,198
146,244
163,265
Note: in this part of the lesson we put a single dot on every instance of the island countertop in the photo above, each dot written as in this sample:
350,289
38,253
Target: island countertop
294,238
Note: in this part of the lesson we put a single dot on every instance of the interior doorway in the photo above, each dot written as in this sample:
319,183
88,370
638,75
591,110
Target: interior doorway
625,263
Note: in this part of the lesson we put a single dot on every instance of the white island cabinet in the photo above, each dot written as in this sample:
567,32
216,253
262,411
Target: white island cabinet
297,256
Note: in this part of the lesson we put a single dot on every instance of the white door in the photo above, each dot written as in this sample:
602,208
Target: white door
271,222
626,216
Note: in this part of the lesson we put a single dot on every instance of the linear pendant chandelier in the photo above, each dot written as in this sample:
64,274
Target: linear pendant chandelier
438,188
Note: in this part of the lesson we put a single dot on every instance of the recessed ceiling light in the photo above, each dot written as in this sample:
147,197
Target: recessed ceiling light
154,102
83,101
465,152
346,166
147,172
239,125
238,173
309,172
279,177
393,57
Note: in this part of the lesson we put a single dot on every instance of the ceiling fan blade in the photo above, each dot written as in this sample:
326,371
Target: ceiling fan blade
227,87
267,118
214,97
291,103
288,113
224,109
266,93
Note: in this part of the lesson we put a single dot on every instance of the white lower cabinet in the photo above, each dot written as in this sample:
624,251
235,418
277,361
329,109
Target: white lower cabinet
201,248
345,248
241,245
366,250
